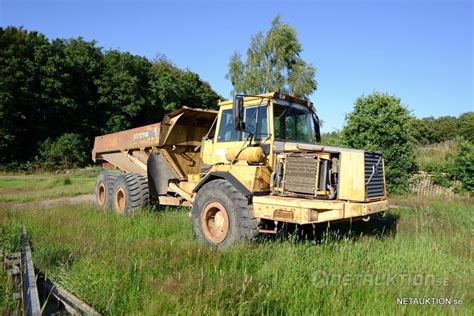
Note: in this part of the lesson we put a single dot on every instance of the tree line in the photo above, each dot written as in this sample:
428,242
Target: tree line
430,130
63,92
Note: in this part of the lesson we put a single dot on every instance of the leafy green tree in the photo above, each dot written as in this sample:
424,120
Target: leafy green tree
463,167
445,128
423,131
466,126
124,90
332,139
22,98
67,151
40,94
273,63
173,88
380,123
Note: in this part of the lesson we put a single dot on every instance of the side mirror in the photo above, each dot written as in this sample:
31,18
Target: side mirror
317,127
238,113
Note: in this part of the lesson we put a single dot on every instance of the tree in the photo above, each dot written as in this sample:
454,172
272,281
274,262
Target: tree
466,126
67,151
380,123
332,139
273,64
124,91
20,92
173,87
423,131
463,167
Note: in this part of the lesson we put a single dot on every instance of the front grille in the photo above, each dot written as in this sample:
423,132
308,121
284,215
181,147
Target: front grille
374,178
300,174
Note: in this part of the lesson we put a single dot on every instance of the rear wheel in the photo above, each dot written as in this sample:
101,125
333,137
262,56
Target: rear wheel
221,215
130,194
104,189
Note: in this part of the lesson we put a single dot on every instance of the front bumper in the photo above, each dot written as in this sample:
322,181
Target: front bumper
305,211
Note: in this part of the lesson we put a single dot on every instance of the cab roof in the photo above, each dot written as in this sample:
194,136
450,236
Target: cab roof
269,95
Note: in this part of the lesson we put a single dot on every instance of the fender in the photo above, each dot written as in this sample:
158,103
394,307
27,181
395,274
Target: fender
230,178
159,175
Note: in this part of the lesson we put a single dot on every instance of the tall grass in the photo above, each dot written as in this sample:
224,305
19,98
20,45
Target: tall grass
151,264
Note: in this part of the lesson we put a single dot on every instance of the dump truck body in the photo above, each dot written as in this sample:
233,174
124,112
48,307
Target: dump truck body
127,150
255,162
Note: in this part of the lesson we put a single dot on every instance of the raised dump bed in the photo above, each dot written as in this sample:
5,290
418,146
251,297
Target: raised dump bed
179,133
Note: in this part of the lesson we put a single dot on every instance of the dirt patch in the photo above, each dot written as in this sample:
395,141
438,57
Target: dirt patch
7,191
79,199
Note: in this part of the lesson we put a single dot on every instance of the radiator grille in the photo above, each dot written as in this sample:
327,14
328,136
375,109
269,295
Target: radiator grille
300,174
374,178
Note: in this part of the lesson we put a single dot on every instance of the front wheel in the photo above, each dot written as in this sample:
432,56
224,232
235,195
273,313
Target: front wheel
222,216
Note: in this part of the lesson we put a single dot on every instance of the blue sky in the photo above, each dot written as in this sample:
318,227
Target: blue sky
419,50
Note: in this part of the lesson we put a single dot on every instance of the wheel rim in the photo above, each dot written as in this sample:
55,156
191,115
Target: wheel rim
215,222
101,194
120,200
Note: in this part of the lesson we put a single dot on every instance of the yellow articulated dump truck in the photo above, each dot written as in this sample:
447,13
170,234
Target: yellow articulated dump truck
244,169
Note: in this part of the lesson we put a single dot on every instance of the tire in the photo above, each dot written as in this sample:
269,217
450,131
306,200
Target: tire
222,216
104,189
130,194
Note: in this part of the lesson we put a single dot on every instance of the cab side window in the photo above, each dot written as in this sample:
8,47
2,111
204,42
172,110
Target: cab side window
258,126
256,122
227,133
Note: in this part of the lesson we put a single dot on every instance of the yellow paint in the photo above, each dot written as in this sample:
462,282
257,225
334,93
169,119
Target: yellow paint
352,177
250,154
254,178
187,186
194,177
306,211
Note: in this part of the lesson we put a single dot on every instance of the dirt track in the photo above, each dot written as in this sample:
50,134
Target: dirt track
79,199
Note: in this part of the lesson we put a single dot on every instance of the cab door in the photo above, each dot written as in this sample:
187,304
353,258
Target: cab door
256,121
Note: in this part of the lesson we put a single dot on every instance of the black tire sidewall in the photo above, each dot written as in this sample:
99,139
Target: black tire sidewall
108,179
121,183
215,191
135,189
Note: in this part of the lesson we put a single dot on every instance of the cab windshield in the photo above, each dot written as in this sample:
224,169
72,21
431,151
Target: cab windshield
293,123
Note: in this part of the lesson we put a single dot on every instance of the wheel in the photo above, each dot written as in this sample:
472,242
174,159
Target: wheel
104,189
130,193
221,215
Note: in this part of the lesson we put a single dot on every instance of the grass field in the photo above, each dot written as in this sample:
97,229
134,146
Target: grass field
150,263
27,188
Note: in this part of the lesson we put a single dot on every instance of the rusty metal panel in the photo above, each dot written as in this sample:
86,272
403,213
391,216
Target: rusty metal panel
124,162
140,137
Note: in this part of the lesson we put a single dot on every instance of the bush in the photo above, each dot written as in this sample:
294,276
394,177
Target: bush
380,123
67,151
463,166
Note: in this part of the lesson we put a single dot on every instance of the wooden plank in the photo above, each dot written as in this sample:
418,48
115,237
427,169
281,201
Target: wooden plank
30,298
